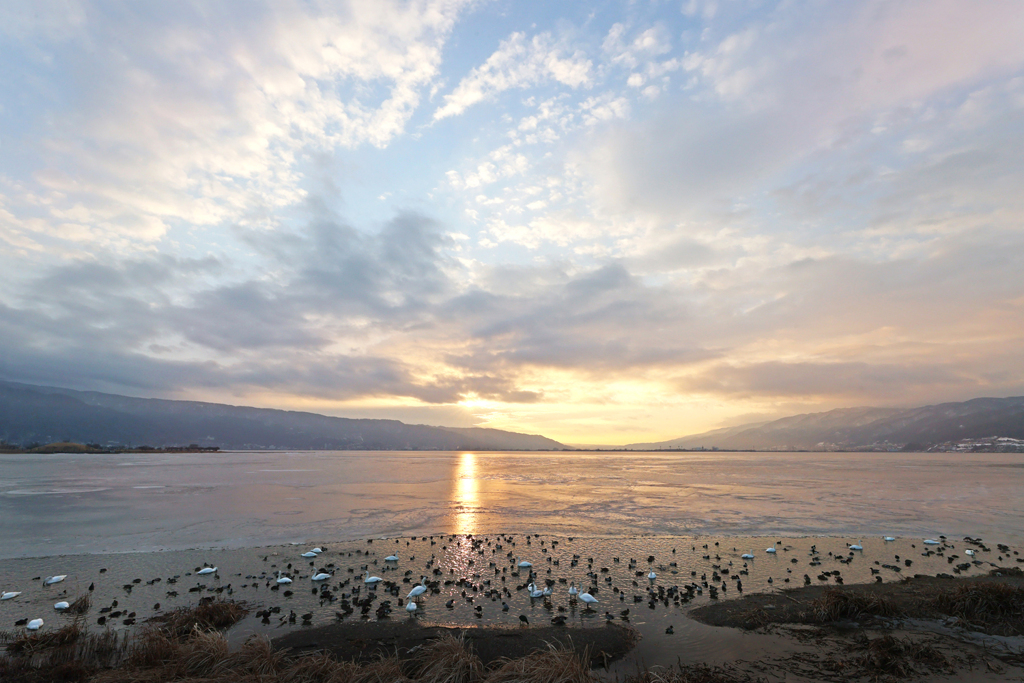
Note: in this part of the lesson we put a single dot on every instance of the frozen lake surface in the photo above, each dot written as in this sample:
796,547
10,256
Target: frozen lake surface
71,504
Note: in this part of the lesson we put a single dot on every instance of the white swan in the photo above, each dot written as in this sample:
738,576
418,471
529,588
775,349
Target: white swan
856,546
282,579
770,550
371,579
418,590
391,558
525,565
9,595
410,607
309,554
548,591
589,599
573,590
535,592
206,570
888,539
54,579
317,550
62,605
652,576
34,625
320,576
930,541
968,552
748,555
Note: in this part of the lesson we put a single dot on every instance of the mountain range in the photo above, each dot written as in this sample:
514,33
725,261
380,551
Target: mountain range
35,414
854,428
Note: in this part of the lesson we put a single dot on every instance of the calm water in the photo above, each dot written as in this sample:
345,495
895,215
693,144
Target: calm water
69,504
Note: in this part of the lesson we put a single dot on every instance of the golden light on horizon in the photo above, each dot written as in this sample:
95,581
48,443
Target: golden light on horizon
466,495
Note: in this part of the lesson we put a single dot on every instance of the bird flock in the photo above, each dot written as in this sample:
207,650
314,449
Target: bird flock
504,578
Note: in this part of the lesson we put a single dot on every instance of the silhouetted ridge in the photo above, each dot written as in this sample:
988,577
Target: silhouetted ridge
851,428
46,414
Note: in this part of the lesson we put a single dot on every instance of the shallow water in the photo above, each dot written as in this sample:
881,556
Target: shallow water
466,574
65,504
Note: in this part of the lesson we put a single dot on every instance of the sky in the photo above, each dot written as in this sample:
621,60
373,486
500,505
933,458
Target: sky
603,222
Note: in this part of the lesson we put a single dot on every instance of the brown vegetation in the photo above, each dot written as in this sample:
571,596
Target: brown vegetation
186,646
694,673
836,605
208,614
991,607
993,604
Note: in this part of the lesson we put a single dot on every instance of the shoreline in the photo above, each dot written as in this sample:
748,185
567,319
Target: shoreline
859,632
323,540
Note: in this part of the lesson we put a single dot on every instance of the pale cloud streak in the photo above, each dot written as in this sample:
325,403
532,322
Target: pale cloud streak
518,62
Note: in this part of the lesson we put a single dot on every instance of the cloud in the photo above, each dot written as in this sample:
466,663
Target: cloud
517,63
202,116
647,44
785,205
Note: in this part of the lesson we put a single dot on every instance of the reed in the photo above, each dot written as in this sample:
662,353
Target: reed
988,605
835,604
448,660
689,673
557,664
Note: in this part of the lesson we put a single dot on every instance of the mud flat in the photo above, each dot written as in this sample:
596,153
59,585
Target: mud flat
922,628
366,642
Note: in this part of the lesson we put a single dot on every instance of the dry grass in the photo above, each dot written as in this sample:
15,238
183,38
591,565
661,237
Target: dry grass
889,656
383,670
693,673
987,606
184,647
69,653
80,606
29,643
448,660
207,615
319,668
257,657
554,665
836,604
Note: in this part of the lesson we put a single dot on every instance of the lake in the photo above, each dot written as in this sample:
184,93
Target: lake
73,504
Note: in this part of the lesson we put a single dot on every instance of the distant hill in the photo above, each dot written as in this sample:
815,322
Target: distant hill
34,414
853,428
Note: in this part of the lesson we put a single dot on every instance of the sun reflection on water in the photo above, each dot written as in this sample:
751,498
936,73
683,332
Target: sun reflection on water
466,499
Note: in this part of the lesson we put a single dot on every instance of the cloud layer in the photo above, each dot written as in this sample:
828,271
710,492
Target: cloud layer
620,227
